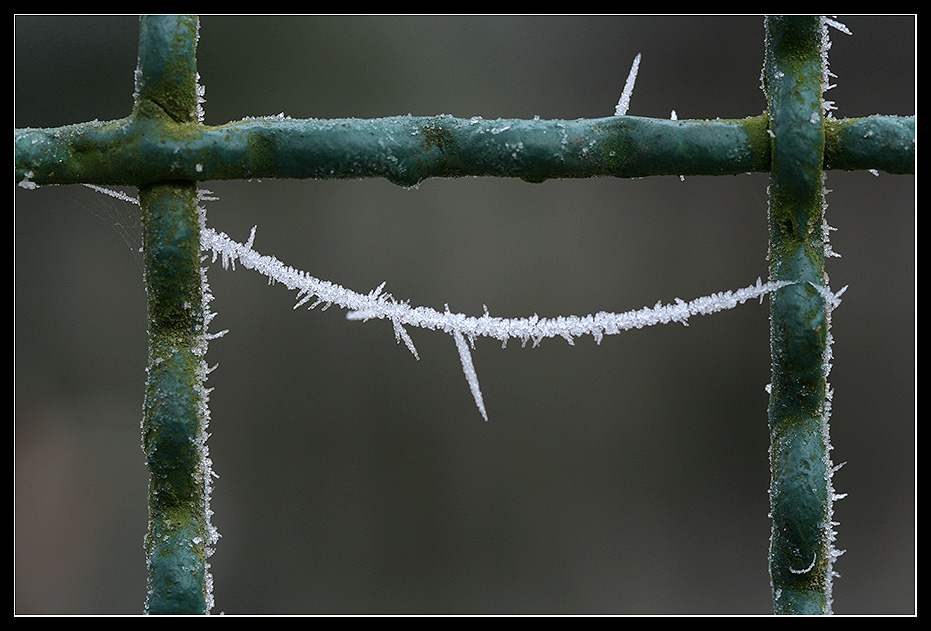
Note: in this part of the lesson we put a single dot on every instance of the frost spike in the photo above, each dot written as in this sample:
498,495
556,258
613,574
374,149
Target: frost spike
465,356
623,103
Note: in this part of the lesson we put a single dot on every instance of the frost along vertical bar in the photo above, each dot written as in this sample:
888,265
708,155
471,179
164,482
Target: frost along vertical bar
175,401
800,493
173,419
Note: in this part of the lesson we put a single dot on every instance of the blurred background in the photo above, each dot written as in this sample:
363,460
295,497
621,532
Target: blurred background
625,478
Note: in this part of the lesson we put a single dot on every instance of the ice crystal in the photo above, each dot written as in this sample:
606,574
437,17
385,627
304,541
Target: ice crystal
623,103
206,473
27,182
114,193
828,106
465,356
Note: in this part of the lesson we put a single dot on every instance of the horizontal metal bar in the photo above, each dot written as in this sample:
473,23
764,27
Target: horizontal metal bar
406,149
883,143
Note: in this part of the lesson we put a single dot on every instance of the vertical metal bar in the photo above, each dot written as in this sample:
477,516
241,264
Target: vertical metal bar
174,410
800,492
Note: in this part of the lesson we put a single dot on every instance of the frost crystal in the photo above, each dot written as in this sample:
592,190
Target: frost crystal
623,103
831,301
465,356
840,27
27,182
207,473
114,193
828,106
201,90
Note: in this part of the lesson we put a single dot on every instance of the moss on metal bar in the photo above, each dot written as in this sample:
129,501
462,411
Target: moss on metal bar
167,67
174,414
152,146
883,143
800,493
173,417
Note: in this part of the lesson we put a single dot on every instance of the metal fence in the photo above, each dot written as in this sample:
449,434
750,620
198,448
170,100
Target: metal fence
614,134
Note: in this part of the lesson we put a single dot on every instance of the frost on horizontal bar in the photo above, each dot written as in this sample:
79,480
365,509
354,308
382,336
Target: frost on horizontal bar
623,103
464,329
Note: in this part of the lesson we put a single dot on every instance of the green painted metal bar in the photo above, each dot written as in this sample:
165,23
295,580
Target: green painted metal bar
883,143
409,149
166,75
173,409
801,553
174,413
403,149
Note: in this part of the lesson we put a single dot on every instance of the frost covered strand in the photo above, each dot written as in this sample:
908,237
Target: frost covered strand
465,329
378,304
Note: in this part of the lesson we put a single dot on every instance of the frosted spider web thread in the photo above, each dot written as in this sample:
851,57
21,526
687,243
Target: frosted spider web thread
378,304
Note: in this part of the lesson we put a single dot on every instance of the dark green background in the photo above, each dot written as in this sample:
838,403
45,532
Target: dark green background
629,477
